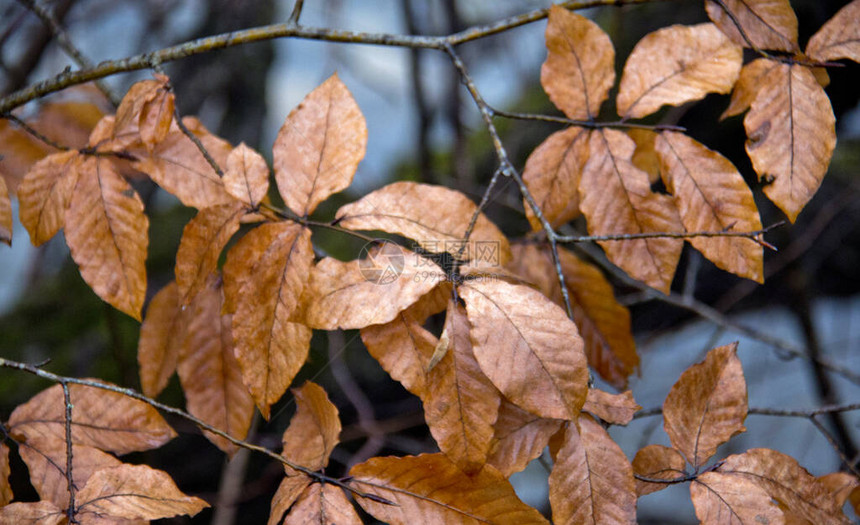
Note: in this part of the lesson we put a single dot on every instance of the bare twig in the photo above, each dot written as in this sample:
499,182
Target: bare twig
32,131
297,12
591,124
751,235
70,482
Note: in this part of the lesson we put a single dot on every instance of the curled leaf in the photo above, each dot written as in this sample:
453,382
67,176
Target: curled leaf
315,429
616,409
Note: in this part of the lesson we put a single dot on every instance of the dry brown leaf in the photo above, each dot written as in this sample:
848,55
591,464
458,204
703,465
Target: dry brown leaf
367,291
314,430
677,64
247,175
528,347
657,462
840,485
707,405
752,77
32,513
319,146
791,136
460,403
711,195
617,199
768,24
108,234
552,176
644,157
100,418
520,437
728,500
146,110
616,409
288,492
591,480
161,337
210,375
5,214
839,37
45,192
434,216
5,488
19,151
580,65
135,492
431,489
323,504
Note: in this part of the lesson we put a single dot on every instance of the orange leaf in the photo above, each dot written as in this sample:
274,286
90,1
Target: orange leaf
430,489
319,146
580,65
752,77
657,462
768,24
840,485
5,214
33,513
839,37
617,199
45,192
147,110
519,437
591,480
711,195
677,64
552,174
644,157
707,405
160,340
314,430
435,216
721,499
247,175
528,347
460,403
791,136
100,418
135,492
323,504
288,492
5,488
616,409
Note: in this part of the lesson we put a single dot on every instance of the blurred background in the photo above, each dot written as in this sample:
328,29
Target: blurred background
423,126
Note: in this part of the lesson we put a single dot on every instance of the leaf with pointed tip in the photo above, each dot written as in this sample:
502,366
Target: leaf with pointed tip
32,513
839,37
707,405
519,437
580,65
711,195
323,504
431,489
5,214
5,488
314,430
728,500
752,77
528,347
768,24
319,146
160,340
677,64
657,462
288,492
791,136
247,175
100,418
616,409
591,480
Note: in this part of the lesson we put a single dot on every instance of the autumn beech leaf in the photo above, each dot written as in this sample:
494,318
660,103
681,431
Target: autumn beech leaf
791,135
100,418
840,485
616,409
711,195
323,504
208,371
752,77
161,335
767,24
617,199
519,437
32,513
108,234
528,347
44,194
580,65
720,500
591,479
677,64
367,291
5,488
707,405
552,175
435,216
431,489
657,462
839,37
314,430
318,148
5,214
645,157
288,492
135,492
147,110
460,403
247,175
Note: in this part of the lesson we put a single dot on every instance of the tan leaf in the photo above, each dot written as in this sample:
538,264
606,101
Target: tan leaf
135,492
319,146
840,485
752,77
45,192
528,347
644,157
208,370
20,151
32,513
161,337
314,430
288,492
367,291
269,275
657,462
839,37
580,65
460,403
5,488
728,500
552,176
616,409
519,437
107,233
711,195
247,175
323,504
768,24
203,238
5,214
591,480
677,64
791,136
100,418
431,489
146,109
707,405
435,216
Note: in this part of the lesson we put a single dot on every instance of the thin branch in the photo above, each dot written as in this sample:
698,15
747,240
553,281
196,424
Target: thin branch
70,483
32,131
586,123
297,12
200,147
776,412
834,444
751,235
